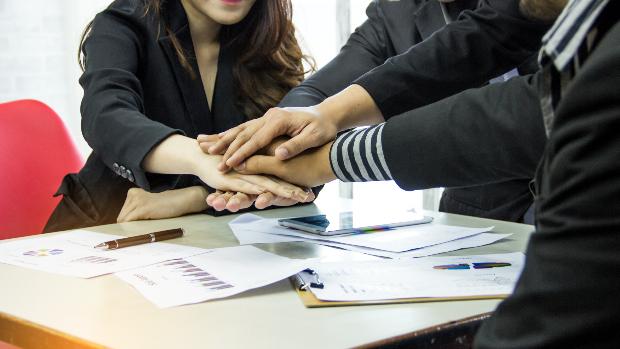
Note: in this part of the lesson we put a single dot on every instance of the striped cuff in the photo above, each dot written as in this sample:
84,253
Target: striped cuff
357,156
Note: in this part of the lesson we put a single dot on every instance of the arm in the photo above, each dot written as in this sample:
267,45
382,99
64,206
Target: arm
368,47
479,136
468,52
571,277
116,127
476,137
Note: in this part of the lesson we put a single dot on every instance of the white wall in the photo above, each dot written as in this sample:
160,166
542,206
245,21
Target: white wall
38,49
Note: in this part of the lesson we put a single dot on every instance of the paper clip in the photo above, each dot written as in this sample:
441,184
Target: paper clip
303,285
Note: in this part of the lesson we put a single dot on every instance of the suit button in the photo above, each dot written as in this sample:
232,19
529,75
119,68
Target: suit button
123,172
130,176
116,168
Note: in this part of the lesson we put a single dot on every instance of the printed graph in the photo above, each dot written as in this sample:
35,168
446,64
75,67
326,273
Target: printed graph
93,260
43,252
194,275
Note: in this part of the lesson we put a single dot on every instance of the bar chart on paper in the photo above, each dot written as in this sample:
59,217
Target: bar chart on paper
184,271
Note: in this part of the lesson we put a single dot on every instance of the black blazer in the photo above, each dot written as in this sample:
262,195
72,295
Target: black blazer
567,295
136,93
428,60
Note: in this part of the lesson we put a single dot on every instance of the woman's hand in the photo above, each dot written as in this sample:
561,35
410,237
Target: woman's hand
141,204
249,184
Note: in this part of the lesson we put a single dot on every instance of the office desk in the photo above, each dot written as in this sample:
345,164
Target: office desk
45,310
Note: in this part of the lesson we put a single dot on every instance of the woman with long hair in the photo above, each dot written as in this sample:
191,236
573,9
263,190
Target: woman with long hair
157,73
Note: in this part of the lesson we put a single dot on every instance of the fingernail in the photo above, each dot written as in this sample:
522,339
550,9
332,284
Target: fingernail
211,149
282,153
301,196
240,167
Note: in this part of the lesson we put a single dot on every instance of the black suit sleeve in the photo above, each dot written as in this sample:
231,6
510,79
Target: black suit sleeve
367,48
480,45
113,120
567,296
479,136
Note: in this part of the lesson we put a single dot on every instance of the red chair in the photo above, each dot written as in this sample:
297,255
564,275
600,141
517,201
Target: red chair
36,151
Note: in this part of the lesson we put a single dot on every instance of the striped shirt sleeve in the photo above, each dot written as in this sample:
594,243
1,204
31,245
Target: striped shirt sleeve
357,156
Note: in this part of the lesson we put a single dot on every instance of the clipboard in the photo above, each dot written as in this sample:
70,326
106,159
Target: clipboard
307,279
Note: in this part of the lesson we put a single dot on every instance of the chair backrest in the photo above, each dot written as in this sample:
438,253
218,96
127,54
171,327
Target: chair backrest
36,151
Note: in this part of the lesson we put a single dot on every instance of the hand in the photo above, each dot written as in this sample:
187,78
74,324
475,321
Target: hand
234,202
141,204
230,201
306,125
308,169
249,184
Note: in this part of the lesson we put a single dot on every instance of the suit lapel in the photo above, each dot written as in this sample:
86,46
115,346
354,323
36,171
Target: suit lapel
189,85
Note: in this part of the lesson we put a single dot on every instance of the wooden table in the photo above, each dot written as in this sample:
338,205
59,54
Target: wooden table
42,310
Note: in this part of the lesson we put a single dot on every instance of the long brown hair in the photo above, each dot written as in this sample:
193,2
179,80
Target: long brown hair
268,62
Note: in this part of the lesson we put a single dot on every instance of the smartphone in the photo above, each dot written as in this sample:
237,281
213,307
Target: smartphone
349,222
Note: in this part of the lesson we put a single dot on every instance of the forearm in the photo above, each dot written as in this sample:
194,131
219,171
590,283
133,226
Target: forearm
352,107
175,155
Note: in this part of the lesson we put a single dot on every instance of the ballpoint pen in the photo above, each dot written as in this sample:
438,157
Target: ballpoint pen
141,239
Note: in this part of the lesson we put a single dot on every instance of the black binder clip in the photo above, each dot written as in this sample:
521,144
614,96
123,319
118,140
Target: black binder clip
304,285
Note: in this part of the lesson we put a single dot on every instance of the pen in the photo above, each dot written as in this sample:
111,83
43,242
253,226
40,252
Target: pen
141,239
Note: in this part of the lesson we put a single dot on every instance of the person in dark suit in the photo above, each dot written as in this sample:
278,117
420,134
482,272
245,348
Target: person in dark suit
156,74
433,49
567,295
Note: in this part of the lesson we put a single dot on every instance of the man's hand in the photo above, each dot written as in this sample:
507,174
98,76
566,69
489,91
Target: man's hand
309,127
249,184
306,125
308,169
141,204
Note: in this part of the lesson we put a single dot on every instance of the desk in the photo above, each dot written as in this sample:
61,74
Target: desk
44,310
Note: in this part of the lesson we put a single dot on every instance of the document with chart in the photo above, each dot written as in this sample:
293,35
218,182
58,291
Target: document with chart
73,254
214,274
428,277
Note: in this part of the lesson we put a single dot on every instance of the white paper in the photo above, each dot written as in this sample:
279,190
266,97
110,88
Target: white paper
73,254
252,229
466,242
418,278
215,274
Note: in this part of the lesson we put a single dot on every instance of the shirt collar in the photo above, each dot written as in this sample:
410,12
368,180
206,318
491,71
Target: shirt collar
562,41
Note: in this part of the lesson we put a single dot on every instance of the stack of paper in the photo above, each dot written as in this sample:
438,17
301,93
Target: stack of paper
404,242
430,277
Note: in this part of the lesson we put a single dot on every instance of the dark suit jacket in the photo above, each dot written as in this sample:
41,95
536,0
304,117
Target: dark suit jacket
567,296
427,61
136,94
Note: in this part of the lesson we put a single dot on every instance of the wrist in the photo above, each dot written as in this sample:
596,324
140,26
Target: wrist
351,107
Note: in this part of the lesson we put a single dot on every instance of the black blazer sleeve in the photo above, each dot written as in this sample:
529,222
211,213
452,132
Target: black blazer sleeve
367,48
567,296
476,137
113,120
480,45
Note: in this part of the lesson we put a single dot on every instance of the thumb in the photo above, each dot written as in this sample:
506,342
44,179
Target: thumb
259,164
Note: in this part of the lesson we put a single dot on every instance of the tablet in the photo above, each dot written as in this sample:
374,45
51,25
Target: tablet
351,222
